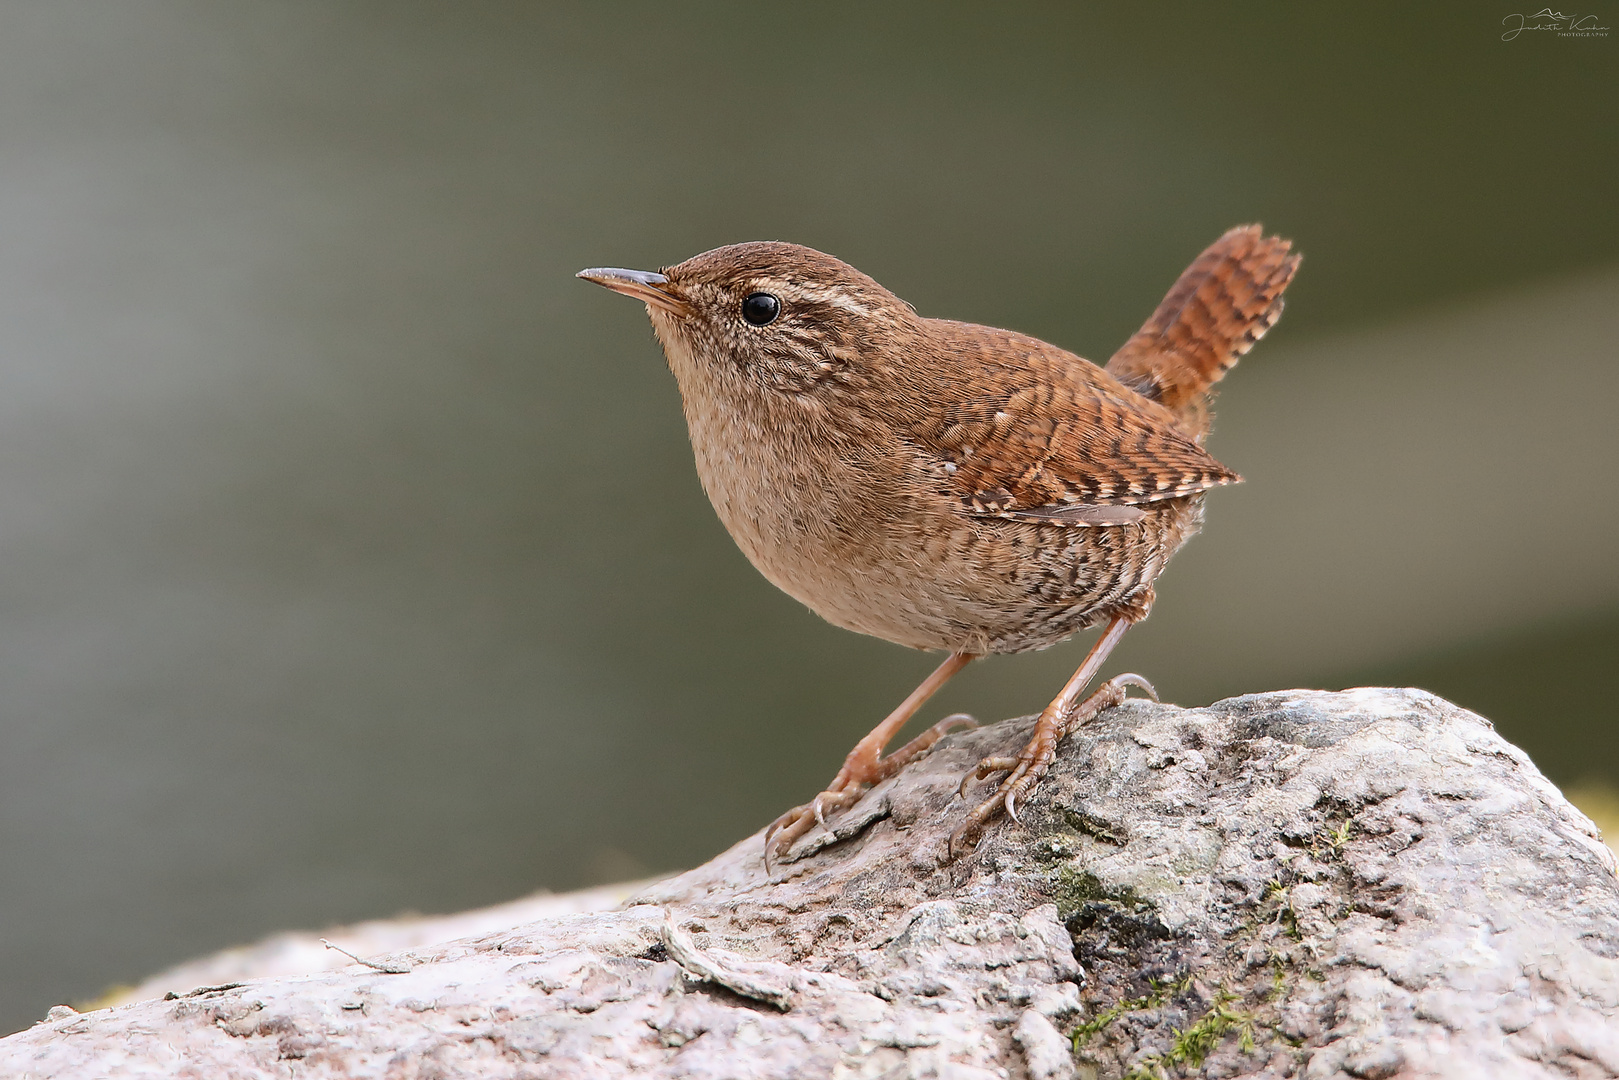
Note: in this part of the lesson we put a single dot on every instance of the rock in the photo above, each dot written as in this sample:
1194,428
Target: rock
305,953
1369,883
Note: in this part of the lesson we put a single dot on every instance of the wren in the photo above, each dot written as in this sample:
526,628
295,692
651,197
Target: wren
950,486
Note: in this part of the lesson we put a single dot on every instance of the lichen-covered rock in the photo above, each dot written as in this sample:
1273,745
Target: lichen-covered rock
1369,883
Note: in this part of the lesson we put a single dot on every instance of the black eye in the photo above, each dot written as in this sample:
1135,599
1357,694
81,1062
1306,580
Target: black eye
761,309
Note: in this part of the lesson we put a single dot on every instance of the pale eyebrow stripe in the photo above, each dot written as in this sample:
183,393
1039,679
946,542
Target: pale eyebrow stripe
790,290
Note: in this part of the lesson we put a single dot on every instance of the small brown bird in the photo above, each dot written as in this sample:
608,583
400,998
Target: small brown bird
945,485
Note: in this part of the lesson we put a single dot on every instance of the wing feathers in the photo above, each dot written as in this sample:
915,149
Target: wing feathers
1060,441
1030,432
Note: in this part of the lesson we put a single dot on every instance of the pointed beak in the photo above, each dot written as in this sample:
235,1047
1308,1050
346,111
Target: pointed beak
653,289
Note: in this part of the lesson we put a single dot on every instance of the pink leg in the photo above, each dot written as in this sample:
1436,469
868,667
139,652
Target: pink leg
1059,718
865,764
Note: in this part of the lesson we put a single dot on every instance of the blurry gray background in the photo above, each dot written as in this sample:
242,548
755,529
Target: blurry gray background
351,555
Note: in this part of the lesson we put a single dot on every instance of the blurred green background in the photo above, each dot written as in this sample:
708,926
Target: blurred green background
351,555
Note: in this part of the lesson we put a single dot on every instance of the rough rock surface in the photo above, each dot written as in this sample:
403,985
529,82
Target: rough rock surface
1369,883
301,952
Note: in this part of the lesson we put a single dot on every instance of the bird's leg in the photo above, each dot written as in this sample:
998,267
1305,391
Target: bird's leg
865,764
1059,718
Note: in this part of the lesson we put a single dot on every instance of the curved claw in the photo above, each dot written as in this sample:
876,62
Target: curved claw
968,833
781,833
1011,806
984,768
776,826
770,834
959,839
955,720
1122,681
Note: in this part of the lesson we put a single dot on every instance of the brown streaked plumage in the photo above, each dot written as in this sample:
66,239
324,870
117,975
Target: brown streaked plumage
1221,305
945,485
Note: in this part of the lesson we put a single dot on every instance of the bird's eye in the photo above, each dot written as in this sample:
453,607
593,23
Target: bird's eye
761,309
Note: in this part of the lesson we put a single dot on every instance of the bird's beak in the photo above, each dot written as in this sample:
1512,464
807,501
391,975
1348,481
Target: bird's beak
643,285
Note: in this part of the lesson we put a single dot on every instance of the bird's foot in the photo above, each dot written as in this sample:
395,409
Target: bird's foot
1026,770
862,769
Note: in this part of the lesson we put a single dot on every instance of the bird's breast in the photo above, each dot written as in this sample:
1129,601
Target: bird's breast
854,521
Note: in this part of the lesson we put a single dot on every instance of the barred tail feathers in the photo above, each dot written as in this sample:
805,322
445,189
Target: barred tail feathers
1220,306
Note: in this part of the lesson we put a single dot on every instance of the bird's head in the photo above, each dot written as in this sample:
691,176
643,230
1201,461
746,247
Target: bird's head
784,317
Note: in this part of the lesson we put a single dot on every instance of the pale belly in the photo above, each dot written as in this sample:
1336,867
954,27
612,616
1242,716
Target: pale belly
919,571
